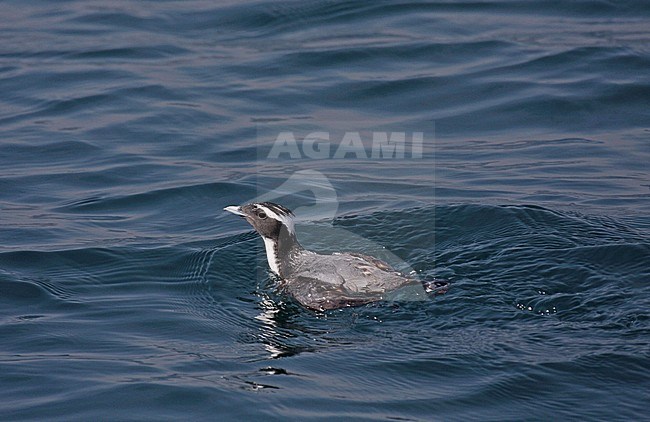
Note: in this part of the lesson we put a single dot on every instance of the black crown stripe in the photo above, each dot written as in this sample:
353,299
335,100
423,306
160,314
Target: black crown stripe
276,208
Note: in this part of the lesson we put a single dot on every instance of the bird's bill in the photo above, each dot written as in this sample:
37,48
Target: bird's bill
235,210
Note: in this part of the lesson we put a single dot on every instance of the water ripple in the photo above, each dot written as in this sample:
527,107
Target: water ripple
126,130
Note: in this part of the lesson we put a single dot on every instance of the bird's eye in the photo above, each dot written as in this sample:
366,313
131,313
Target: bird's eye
261,215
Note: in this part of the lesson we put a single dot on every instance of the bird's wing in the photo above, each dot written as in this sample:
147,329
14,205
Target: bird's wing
318,295
382,265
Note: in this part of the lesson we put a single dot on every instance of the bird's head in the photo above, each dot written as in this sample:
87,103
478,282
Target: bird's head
268,219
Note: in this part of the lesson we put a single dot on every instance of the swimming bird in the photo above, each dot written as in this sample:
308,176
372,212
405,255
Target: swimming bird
317,281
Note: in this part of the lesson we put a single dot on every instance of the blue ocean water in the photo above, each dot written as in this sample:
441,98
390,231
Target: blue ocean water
126,293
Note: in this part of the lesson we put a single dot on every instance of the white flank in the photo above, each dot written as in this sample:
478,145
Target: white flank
270,255
286,220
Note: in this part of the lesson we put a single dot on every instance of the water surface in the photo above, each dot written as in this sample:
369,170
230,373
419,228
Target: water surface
125,128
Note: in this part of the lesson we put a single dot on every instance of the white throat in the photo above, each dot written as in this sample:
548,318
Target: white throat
271,257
